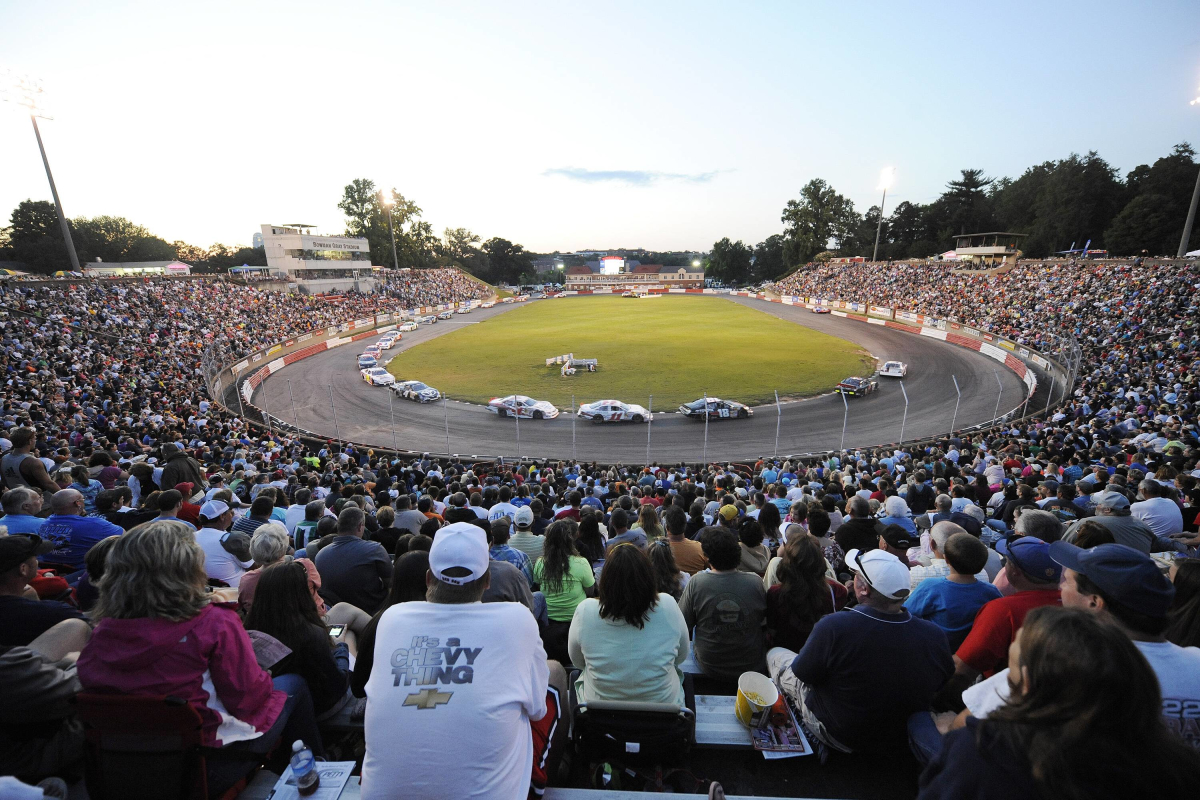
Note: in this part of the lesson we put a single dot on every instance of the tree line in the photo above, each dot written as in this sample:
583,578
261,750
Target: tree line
33,238
1058,204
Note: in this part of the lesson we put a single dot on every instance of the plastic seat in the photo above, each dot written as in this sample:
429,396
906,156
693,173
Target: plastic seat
634,733
145,748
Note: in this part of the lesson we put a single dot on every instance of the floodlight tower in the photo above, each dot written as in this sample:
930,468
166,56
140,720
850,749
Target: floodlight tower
1191,217
26,92
886,178
387,203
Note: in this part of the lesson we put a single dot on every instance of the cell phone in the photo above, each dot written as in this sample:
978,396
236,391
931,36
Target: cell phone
336,630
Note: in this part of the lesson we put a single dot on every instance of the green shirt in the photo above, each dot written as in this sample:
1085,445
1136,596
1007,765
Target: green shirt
727,612
560,605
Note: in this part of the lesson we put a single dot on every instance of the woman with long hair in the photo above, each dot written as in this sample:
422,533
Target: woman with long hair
803,595
1184,626
769,519
647,520
630,642
1084,719
283,609
565,578
696,521
159,632
408,585
589,542
669,578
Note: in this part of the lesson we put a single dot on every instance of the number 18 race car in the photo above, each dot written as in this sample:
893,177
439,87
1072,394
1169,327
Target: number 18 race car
613,411
520,406
717,409
857,387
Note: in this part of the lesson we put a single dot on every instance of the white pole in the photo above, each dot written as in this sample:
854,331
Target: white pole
446,415
903,421
956,402
241,405
778,421
392,413
650,413
845,419
267,411
996,413
517,417
573,455
1049,397
292,397
705,457
336,432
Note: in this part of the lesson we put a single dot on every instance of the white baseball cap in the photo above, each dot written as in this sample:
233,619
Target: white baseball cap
213,509
524,517
882,571
459,544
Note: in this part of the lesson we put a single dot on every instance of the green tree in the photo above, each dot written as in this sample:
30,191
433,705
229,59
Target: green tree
35,238
968,209
507,262
904,230
818,217
730,262
114,239
1154,217
768,258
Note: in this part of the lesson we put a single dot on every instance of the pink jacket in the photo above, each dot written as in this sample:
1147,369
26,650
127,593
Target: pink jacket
207,660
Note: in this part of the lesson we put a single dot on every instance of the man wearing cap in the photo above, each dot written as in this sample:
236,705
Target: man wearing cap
25,617
468,706
524,539
1034,576
72,533
898,540
179,467
226,553
1112,511
862,672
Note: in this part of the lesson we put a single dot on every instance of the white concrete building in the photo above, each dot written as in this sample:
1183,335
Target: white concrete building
317,263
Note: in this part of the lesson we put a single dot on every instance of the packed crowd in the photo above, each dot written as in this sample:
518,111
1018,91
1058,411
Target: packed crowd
1019,609
427,287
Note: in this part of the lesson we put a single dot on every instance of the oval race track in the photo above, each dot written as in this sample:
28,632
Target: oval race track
812,425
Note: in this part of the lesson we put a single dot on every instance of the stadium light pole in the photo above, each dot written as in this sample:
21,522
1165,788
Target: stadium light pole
1191,217
1049,397
957,390
386,203
886,178
24,91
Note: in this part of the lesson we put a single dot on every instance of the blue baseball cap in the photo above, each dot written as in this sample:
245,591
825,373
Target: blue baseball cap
1032,556
1127,576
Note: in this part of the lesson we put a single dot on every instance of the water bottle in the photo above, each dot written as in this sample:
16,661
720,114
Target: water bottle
304,769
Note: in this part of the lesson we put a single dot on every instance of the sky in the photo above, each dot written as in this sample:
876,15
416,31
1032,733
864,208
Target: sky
567,126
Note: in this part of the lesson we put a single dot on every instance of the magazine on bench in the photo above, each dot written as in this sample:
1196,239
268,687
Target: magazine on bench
780,735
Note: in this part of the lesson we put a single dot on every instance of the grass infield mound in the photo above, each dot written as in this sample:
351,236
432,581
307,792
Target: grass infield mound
675,347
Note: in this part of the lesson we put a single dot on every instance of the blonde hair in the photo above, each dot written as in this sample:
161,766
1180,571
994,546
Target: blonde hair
154,571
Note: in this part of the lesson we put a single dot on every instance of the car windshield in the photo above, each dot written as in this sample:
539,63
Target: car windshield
417,387
696,404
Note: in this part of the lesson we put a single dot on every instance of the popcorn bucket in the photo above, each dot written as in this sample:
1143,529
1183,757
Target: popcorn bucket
755,696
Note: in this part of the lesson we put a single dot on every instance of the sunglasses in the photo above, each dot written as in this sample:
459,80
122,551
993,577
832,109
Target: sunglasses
862,570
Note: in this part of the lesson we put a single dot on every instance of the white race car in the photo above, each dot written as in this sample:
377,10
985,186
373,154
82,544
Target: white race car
613,411
446,315
518,405
893,369
488,304
415,390
388,342
464,310
377,376
410,325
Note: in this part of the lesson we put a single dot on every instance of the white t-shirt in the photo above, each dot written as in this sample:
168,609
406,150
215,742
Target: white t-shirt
1161,515
502,510
219,563
449,702
1178,671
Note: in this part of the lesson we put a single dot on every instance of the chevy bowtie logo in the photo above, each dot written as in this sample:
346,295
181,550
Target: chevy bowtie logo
428,698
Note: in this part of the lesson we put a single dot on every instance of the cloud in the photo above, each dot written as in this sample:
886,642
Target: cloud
632,177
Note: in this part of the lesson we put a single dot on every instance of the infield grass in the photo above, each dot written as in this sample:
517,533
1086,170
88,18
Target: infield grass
674,346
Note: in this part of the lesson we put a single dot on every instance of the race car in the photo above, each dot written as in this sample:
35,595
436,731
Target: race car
410,325
377,376
429,319
446,315
821,309
520,406
717,409
507,300
366,361
857,387
488,304
613,411
373,350
415,390
388,342
893,369
464,310
626,293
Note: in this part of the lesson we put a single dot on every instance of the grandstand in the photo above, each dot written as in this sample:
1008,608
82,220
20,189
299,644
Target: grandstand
122,413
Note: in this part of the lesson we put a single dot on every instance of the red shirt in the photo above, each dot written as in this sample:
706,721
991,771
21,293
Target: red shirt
985,649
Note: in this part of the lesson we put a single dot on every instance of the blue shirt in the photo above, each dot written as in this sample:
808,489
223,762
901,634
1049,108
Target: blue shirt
21,523
73,536
515,557
949,605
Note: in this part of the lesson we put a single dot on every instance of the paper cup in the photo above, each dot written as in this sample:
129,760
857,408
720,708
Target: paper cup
756,694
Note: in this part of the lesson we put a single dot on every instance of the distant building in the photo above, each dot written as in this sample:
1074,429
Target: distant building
632,275
134,269
256,240
317,263
990,248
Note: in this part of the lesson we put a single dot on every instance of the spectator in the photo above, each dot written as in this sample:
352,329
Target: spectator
159,633
407,586
170,504
501,551
87,591
314,510
952,600
861,531
25,618
647,522
938,567
70,531
282,609
524,539
1068,666
898,540
688,554
862,673
566,579
179,467
630,642
589,542
668,577
406,518
803,595
353,570
1184,626
755,555
1112,511
618,524
506,582
260,514
20,466
226,554
388,533
895,512
496,690
1157,511
89,487
726,608
21,507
